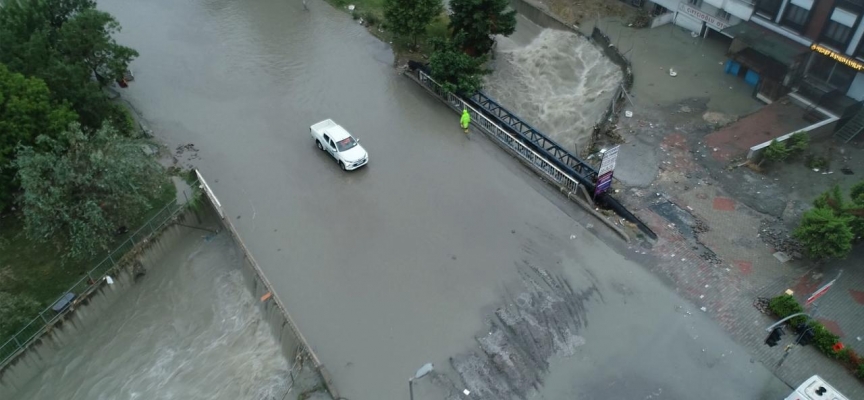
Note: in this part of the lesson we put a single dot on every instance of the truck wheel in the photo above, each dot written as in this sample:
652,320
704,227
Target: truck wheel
342,165
320,146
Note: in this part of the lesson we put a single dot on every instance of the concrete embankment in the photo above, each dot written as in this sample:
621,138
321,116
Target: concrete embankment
202,297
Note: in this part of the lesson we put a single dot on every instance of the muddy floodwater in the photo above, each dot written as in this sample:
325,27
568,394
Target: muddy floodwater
408,260
557,81
190,329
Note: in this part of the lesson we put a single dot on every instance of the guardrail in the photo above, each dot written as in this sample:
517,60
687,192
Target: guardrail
515,143
25,337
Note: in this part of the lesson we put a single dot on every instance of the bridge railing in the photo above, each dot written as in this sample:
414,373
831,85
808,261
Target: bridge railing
31,332
534,148
504,137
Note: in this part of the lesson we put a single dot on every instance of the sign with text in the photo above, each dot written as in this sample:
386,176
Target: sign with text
609,157
847,61
604,182
712,21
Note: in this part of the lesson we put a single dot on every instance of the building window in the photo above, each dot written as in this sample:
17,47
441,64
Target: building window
796,17
723,15
838,29
768,8
693,2
831,72
836,34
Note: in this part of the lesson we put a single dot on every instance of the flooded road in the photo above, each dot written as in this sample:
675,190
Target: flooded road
190,329
399,263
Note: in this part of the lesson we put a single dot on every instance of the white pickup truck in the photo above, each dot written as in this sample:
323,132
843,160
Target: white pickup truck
334,139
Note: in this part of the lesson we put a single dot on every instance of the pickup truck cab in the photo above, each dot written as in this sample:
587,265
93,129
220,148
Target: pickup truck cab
335,140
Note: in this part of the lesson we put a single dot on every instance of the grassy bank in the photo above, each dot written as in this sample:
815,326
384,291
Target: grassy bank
371,12
34,271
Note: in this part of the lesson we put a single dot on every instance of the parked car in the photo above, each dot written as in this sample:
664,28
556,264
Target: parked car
335,140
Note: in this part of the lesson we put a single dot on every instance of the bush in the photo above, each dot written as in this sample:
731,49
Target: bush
784,306
860,371
824,234
799,142
824,340
15,311
776,151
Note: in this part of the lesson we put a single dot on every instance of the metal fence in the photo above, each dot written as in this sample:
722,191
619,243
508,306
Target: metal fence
503,136
48,317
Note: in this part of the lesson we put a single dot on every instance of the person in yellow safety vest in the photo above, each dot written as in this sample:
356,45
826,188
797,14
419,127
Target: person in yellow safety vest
465,121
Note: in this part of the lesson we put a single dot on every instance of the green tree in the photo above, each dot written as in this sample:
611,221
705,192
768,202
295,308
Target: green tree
69,45
825,234
479,20
15,312
798,142
456,71
857,193
82,187
776,151
409,18
26,111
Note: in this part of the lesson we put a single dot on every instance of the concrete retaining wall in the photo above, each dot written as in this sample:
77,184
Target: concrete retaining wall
294,345
538,14
86,309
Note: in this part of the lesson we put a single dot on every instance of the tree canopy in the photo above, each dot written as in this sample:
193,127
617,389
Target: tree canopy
410,18
478,21
825,234
455,70
69,45
26,111
81,187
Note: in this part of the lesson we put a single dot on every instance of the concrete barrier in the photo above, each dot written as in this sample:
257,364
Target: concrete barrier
293,342
90,306
817,130
538,14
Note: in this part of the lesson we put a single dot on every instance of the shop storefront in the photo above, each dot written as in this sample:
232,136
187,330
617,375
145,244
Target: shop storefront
765,60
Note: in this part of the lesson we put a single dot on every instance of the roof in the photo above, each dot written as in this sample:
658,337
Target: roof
332,129
766,42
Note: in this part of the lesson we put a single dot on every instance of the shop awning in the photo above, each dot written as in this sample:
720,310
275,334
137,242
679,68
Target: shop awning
766,42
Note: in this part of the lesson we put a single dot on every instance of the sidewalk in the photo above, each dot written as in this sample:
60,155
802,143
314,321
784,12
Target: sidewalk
711,248
716,243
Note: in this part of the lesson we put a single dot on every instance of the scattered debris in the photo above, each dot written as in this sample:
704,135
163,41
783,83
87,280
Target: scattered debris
761,304
782,257
774,234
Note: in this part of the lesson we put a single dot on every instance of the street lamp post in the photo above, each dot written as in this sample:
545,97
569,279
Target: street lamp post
425,369
811,316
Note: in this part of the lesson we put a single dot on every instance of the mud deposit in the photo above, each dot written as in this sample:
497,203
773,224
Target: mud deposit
539,322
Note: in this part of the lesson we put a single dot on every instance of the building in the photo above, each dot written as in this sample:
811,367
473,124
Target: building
812,50
700,16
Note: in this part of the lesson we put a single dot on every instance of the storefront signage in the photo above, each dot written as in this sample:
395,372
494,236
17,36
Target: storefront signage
847,61
709,19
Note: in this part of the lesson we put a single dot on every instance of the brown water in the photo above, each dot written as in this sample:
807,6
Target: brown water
396,264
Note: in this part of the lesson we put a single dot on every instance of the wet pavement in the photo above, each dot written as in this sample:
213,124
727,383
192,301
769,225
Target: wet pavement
402,262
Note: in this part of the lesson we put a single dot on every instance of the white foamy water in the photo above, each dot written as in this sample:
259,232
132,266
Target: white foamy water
559,83
189,330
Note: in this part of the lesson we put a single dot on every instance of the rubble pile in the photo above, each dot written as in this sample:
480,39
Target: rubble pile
761,304
772,233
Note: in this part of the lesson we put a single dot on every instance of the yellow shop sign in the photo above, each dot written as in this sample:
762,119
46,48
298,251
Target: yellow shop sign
847,61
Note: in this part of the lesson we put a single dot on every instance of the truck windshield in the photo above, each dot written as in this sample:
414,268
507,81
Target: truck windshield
346,144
